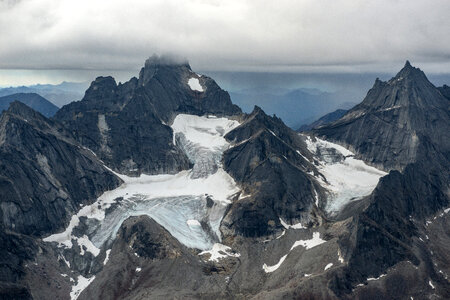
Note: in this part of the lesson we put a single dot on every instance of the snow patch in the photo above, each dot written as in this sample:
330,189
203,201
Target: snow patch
195,85
270,269
311,243
295,226
219,251
82,283
138,269
373,278
308,244
431,284
328,266
107,256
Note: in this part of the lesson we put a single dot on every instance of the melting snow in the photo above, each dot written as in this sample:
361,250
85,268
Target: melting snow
328,266
431,284
373,278
219,251
82,283
107,256
270,269
308,244
348,179
295,226
195,85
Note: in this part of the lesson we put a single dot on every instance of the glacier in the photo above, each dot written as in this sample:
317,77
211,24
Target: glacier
189,204
345,177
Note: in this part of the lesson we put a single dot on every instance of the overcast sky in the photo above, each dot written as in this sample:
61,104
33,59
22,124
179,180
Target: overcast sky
50,40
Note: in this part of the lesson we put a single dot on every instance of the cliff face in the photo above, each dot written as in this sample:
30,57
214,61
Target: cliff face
126,124
45,176
388,126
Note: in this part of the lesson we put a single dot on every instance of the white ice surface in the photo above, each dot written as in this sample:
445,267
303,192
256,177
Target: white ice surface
347,179
195,85
178,202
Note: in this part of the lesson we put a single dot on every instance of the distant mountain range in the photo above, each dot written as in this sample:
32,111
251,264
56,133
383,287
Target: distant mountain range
326,119
59,94
295,107
32,100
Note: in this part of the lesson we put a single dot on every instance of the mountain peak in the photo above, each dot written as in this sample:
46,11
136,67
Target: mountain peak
407,64
409,72
21,109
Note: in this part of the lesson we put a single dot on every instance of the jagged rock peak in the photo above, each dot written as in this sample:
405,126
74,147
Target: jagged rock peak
20,109
408,72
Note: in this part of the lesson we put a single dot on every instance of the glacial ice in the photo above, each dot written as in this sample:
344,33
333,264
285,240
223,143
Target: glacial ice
347,179
190,204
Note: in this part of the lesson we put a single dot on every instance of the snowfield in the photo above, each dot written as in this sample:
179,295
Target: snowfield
347,179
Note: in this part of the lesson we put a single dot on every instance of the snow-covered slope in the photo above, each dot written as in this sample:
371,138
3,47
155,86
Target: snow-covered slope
345,177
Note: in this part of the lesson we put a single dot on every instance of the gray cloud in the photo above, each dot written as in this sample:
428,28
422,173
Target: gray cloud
236,35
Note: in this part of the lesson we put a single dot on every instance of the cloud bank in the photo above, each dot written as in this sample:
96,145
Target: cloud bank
233,35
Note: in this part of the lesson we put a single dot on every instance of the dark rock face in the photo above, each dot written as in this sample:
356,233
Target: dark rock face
15,249
266,163
385,129
386,232
32,100
125,124
166,268
44,174
445,91
326,119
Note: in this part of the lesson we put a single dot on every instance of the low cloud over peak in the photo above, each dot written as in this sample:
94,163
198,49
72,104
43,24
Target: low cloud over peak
282,36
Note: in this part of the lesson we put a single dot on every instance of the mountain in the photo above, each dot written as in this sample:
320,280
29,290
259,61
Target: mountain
126,124
387,127
58,94
33,100
326,119
170,191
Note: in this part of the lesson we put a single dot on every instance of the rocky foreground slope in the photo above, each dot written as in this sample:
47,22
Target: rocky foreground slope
204,202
